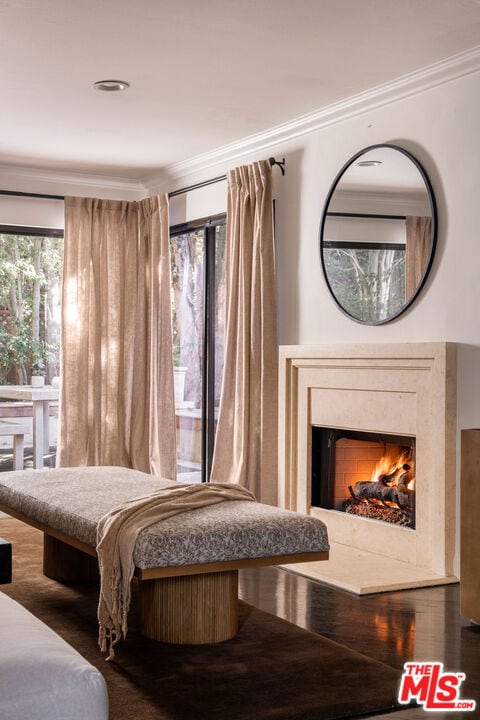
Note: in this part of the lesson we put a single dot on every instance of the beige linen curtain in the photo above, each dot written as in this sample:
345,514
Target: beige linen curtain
246,438
418,246
117,397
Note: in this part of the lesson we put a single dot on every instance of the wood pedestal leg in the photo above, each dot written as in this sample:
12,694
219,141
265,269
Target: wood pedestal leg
65,563
190,609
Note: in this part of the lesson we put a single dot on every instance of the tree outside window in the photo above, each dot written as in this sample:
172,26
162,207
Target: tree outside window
30,294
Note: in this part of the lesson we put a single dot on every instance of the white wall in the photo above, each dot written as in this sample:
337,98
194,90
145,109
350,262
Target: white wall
354,229
31,212
200,203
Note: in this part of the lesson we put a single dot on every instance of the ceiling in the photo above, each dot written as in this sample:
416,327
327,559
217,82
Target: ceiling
203,73
396,172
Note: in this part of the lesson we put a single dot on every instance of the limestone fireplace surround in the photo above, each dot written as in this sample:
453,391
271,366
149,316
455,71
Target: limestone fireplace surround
407,389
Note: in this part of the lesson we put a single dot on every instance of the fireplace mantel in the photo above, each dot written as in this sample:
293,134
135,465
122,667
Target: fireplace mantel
397,388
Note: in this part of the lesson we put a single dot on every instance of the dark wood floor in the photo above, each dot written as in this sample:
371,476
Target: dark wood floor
395,627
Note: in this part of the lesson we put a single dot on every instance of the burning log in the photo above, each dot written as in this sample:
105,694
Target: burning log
389,495
399,495
374,491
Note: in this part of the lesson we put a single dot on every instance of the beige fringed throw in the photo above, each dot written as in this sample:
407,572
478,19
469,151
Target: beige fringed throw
117,532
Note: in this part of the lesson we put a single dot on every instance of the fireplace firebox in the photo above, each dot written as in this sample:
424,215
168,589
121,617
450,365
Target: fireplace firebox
370,475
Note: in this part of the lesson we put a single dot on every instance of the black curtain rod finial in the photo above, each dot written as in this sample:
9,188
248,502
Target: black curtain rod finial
280,163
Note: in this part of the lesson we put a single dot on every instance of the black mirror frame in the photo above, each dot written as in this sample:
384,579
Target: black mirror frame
433,206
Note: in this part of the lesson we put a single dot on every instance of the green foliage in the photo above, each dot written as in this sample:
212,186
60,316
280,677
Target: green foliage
176,354
22,349
30,267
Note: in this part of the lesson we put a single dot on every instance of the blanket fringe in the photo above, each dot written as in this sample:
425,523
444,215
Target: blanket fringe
107,638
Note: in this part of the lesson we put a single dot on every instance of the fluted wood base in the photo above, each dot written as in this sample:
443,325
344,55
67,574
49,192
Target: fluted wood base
191,609
65,563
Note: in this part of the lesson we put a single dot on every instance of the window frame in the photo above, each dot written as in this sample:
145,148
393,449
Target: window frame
208,225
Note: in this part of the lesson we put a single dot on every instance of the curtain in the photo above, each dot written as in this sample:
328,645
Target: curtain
418,247
117,397
246,438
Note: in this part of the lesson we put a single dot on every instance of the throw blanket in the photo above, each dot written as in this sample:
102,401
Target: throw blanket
117,533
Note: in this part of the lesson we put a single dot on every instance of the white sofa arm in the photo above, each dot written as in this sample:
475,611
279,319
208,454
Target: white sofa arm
41,675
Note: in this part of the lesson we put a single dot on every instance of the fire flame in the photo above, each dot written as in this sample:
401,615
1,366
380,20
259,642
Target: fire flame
394,472
390,487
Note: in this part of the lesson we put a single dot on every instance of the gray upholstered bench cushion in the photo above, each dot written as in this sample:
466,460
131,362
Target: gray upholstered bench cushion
72,500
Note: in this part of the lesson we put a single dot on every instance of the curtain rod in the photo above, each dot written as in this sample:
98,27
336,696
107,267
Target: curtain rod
45,196
366,215
16,193
181,191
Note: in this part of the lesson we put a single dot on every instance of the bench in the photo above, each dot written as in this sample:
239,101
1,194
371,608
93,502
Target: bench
186,566
18,430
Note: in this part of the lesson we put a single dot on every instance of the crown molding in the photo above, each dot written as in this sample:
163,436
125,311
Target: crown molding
380,202
429,77
20,178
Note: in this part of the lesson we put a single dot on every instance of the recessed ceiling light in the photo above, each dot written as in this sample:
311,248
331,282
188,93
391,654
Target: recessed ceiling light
111,85
369,163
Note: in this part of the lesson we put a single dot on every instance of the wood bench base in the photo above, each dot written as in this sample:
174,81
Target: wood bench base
190,609
67,564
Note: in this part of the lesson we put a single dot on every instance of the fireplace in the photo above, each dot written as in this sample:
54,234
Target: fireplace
364,474
379,397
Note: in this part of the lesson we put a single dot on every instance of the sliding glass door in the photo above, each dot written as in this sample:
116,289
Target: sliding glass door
197,253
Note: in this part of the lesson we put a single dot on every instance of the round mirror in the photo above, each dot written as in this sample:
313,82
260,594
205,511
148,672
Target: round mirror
378,234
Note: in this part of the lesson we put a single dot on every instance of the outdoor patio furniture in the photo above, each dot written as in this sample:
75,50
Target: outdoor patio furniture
41,399
18,430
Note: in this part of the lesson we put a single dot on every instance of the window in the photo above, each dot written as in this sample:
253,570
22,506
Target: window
197,252
30,296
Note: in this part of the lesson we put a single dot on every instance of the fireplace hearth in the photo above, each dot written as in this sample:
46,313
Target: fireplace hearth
370,475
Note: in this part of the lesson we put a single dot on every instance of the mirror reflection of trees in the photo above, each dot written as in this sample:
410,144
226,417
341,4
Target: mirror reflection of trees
368,283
